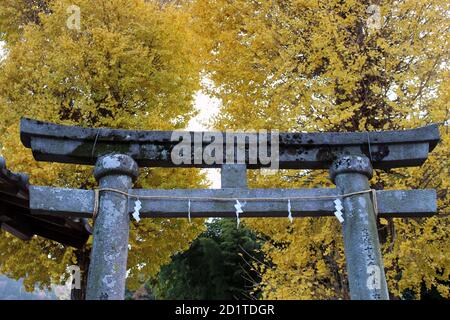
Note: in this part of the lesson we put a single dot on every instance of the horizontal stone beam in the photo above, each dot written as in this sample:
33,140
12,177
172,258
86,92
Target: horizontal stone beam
80,203
71,144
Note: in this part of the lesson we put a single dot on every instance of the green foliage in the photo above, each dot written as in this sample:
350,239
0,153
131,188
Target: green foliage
218,265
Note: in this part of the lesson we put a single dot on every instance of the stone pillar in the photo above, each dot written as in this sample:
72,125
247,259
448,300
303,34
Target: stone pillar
108,267
234,176
367,280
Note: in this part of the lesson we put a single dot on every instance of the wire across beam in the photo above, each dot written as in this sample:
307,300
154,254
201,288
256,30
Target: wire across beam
256,202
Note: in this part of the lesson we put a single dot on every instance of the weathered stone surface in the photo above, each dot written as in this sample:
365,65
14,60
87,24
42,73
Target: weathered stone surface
80,203
116,164
365,270
233,176
108,267
70,144
351,164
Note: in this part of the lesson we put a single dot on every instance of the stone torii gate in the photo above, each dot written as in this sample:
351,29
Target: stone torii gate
117,154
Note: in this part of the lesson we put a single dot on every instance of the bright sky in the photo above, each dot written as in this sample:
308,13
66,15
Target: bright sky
207,107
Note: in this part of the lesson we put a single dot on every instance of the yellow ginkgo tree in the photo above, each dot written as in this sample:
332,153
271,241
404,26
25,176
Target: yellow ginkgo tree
129,64
308,65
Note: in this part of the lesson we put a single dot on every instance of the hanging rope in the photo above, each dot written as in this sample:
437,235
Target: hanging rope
234,199
374,201
370,149
95,143
96,202
180,198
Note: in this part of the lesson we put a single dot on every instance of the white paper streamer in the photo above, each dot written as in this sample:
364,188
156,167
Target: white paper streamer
338,213
289,210
189,211
137,208
238,207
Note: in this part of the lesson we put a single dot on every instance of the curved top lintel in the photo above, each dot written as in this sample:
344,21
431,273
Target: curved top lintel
297,150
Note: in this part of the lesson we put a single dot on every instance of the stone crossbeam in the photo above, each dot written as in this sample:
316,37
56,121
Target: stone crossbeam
80,203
